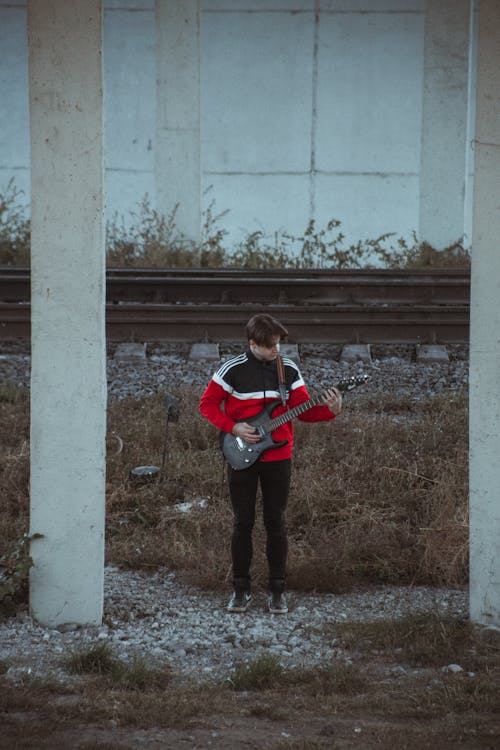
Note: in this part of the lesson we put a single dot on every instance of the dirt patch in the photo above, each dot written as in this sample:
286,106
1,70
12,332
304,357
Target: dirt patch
303,732
390,712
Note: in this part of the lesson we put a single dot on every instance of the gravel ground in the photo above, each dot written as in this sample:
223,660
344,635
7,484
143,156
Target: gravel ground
155,615
392,370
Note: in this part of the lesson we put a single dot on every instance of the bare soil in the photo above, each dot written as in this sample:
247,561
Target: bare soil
390,714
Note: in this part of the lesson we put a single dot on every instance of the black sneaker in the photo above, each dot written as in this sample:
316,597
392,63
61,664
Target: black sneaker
239,601
277,604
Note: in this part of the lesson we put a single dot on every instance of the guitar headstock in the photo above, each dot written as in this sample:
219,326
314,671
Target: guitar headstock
347,384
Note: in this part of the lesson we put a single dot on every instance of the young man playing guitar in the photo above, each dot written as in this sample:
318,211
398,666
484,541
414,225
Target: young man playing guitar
236,395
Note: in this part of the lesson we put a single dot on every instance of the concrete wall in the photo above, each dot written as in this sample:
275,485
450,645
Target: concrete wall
14,107
178,114
309,110
129,93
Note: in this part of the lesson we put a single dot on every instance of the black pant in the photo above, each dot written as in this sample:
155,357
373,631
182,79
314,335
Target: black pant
274,479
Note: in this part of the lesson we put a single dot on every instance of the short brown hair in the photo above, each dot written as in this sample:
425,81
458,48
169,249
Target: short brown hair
264,328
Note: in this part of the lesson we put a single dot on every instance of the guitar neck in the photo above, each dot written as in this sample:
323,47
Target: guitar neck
346,384
292,413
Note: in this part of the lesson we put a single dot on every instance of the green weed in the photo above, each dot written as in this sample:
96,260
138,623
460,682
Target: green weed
99,659
341,678
15,565
14,228
263,673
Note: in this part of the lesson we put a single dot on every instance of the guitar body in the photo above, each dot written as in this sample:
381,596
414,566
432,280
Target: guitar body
241,455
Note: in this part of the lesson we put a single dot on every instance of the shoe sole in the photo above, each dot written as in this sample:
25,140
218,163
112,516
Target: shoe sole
238,610
277,610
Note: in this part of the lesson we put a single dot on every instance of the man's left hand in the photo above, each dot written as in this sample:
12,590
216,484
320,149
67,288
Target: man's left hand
333,399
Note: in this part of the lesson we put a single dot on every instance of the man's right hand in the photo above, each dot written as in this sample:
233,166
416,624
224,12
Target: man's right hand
246,432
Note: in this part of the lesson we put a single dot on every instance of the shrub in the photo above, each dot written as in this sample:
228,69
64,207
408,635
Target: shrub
14,228
151,239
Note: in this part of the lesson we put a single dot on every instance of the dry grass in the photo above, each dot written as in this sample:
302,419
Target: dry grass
422,640
379,496
383,497
14,477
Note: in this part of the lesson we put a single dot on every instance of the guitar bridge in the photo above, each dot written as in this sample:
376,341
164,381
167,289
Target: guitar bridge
242,446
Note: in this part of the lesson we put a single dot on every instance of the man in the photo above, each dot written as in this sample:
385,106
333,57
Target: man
236,393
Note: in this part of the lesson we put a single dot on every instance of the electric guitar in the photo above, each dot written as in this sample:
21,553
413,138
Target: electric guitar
241,455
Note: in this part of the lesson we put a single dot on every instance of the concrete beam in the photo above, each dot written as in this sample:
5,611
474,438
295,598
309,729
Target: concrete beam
485,330
428,354
356,353
131,352
68,381
204,351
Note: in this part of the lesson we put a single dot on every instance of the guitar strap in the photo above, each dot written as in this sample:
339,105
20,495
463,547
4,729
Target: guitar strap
281,379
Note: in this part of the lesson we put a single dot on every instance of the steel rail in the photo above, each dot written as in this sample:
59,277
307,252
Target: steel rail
236,286
447,324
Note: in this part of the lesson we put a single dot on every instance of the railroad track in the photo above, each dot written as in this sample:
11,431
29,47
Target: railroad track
366,306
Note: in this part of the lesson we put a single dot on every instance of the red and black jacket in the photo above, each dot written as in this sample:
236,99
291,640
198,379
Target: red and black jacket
242,385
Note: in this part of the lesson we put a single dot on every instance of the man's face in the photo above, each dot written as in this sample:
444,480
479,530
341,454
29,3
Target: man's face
266,353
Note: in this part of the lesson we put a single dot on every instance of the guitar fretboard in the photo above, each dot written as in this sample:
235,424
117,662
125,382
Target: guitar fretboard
346,384
292,413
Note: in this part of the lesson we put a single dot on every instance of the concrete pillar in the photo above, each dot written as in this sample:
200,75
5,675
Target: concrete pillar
443,164
68,382
178,147
485,329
